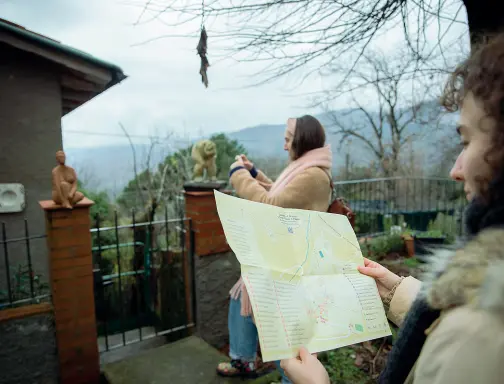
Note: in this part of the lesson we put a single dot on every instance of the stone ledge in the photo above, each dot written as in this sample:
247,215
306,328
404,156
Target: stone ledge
49,205
209,186
26,311
189,360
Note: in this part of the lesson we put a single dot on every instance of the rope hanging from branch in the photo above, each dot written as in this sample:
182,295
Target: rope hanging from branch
202,48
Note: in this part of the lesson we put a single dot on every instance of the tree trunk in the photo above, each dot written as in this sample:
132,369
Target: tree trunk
485,19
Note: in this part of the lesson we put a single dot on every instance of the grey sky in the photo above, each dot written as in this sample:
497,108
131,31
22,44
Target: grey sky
163,92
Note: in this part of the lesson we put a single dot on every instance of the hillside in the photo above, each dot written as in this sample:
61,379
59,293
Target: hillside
111,168
266,140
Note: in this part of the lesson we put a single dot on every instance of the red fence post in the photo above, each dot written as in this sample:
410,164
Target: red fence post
201,208
71,274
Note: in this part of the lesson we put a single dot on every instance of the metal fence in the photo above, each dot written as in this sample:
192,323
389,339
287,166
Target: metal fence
414,203
20,284
144,279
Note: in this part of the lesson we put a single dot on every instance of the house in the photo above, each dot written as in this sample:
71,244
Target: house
41,80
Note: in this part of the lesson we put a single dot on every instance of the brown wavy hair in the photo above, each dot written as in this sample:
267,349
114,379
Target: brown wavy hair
482,75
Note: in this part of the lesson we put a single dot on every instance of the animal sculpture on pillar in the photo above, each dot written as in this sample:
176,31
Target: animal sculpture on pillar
204,154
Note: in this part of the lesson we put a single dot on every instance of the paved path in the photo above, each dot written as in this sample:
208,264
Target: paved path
186,361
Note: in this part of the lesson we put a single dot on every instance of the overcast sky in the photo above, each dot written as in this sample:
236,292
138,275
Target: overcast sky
163,92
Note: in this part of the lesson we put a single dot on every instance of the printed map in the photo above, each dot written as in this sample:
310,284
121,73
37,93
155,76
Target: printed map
300,270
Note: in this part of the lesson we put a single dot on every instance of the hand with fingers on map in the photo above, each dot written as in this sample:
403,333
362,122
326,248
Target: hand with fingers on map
300,270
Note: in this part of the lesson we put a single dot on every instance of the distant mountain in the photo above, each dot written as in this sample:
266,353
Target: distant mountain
111,168
262,140
266,140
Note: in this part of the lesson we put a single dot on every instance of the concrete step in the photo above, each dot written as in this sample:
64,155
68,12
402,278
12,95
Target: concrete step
186,361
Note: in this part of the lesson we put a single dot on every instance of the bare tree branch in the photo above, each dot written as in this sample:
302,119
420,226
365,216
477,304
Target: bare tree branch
162,183
288,35
377,126
150,188
385,125
345,132
135,164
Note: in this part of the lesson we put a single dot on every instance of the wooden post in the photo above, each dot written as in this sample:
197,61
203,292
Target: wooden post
71,274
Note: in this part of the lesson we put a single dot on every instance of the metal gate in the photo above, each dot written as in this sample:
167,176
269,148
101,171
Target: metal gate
144,280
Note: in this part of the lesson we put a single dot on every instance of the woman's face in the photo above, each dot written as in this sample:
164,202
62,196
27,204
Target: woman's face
289,135
474,129
288,141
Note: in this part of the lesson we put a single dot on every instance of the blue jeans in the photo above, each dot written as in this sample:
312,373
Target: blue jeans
243,337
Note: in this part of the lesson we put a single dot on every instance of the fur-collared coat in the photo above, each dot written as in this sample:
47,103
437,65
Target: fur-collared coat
466,343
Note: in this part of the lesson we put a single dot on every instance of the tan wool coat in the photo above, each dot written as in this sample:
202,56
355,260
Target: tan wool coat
466,343
310,190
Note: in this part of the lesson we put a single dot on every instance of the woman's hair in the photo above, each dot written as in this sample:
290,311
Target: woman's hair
309,134
482,75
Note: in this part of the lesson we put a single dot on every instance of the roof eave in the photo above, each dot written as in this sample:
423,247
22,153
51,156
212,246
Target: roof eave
88,75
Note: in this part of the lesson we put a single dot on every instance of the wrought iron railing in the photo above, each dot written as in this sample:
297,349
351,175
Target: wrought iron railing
414,203
20,284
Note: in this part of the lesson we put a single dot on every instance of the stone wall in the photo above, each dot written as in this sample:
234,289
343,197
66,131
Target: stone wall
216,267
215,275
28,351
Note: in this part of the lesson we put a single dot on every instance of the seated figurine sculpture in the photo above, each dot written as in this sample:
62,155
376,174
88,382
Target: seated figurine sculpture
204,154
64,183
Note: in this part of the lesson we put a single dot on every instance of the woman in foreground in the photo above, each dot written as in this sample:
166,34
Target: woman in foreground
452,327
304,184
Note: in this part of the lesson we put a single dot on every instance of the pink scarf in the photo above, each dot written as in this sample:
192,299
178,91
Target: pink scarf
319,157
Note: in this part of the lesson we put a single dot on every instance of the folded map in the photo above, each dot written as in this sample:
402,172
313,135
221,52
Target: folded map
300,270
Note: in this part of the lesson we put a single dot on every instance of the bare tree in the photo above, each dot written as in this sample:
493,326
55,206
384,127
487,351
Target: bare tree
146,181
388,110
290,34
154,187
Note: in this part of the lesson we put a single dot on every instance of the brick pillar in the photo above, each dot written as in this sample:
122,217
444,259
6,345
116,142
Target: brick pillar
201,208
71,274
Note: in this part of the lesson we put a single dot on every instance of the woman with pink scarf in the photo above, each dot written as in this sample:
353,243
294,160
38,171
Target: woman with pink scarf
304,184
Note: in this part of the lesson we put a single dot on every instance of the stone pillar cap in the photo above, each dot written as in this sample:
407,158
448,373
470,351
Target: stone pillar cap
49,205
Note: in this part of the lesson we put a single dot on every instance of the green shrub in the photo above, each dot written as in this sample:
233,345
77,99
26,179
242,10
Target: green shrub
445,224
341,368
20,287
379,247
388,221
430,234
366,222
412,262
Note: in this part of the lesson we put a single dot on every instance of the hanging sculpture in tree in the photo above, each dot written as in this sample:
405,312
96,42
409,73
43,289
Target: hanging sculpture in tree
202,51
202,48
